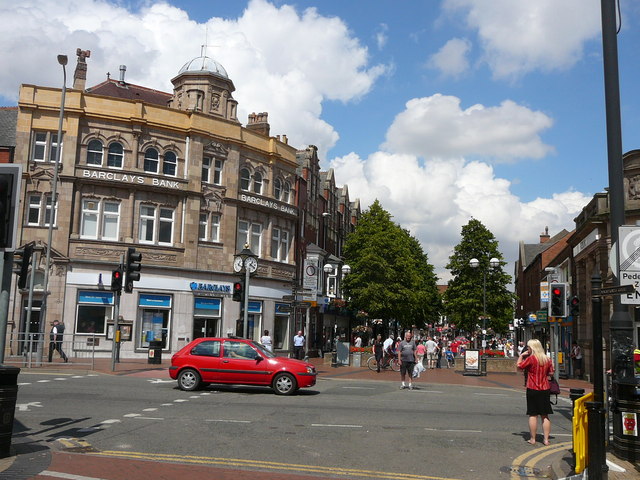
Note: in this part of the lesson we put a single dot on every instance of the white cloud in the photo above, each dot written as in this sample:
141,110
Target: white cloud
437,126
381,36
451,60
322,59
522,36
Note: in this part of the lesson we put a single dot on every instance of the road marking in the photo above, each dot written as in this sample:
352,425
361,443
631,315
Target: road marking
205,393
149,409
427,391
229,421
167,405
59,378
24,407
69,476
22,384
44,381
92,375
339,426
521,461
181,400
111,420
451,430
131,415
236,462
78,376
359,388
159,380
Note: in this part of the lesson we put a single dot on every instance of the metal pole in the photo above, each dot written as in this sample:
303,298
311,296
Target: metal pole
6,264
484,311
54,198
116,314
597,453
245,323
35,258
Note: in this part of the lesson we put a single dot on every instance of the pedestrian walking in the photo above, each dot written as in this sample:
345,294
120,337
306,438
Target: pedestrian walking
298,346
576,359
407,359
420,352
378,351
267,341
55,340
439,354
538,367
432,352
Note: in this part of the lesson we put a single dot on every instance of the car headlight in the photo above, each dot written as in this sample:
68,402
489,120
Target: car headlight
311,370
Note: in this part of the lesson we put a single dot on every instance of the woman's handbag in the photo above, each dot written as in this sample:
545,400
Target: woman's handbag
554,389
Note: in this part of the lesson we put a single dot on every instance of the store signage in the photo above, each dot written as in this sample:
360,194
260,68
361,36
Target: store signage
132,179
281,207
209,287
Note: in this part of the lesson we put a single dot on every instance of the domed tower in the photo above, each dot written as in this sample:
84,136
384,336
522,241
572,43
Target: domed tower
202,85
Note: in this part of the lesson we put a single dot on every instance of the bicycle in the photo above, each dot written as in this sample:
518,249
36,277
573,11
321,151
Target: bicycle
386,363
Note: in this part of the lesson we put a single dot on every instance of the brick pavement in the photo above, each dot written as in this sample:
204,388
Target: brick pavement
141,367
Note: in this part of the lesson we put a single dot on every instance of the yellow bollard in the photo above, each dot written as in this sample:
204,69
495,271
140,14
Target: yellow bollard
581,432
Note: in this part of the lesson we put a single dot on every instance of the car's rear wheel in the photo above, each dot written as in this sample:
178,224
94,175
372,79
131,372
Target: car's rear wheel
284,384
189,380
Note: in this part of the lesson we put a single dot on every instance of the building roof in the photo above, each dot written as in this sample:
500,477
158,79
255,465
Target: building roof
530,251
8,121
204,64
129,91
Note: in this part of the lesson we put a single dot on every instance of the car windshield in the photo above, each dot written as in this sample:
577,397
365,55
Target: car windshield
262,350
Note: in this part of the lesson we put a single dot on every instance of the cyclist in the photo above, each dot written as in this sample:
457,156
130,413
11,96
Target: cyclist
378,351
388,350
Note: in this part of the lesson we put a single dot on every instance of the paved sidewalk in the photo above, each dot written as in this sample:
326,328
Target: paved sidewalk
557,462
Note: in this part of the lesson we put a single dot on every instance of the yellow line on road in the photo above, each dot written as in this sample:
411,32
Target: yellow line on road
236,462
536,456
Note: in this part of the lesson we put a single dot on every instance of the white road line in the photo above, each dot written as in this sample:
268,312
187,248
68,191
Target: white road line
111,420
92,375
22,384
451,430
360,388
205,393
338,426
166,405
44,381
68,476
194,396
149,409
78,376
131,415
179,400
59,378
562,435
229,421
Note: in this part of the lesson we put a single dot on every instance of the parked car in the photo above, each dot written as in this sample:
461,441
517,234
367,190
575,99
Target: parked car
238,361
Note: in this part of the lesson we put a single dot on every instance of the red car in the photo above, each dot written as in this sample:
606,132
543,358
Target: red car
238,361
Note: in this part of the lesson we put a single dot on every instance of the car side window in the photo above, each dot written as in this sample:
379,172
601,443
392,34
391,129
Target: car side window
238,350
207,349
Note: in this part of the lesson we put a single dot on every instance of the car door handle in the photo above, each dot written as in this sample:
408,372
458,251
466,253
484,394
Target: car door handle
225,361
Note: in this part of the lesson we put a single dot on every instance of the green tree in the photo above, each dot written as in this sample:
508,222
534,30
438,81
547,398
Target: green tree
463,299
390,277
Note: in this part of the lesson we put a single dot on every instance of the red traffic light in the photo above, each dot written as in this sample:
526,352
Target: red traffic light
556,291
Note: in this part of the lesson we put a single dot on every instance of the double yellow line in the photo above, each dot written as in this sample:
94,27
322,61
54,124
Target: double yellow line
236,462
529,460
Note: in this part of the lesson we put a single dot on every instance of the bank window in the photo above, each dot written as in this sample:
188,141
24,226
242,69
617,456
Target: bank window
209,227
217,171
45,147
281,326
39,210
100,219
280,244
257,182
277,188
154,313
245,179
170,163
156,225
151,160
286,192
95,308
249,233
115,156
94,153
206,168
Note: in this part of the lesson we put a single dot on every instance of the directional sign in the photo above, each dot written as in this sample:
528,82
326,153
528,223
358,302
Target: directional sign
288,298
617,290
629,256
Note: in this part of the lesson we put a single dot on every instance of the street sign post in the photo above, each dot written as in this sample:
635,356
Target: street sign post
618,290
629,274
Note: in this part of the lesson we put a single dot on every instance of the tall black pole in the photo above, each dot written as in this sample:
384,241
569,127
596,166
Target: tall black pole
597,441
621,322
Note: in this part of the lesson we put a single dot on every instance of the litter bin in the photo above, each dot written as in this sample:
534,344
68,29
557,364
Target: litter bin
357,359
8,397
155,352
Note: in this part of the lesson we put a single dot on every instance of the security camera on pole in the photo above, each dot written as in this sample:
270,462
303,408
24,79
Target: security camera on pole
246,261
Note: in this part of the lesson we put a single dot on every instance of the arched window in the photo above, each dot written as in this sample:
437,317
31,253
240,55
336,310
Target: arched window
277,188
151,160
170,164
257,182
115,156
245,179
94,152
286,192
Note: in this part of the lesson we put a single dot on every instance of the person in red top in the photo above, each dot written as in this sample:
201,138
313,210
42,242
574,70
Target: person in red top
539,367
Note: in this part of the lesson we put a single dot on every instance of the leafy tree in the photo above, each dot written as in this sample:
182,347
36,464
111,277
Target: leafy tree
463,299
390,277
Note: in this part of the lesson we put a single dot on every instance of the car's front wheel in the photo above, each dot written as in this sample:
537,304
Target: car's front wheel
189,380
284,384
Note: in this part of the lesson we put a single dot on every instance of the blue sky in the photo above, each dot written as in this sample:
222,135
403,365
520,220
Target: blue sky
442,109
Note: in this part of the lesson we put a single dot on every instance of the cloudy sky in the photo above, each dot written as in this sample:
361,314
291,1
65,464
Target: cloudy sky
442,109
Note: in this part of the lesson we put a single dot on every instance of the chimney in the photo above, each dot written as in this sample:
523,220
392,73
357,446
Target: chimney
80,74
544,237
259,123
123,69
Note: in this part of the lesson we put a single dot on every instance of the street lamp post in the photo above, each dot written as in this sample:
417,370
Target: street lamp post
493,263
246,261
62,60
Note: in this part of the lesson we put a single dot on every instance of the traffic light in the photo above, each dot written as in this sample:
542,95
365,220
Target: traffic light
22,260
558,300
10,177
133,269
238,291
574,306
116,280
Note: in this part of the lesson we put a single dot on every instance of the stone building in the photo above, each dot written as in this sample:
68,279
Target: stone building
175,176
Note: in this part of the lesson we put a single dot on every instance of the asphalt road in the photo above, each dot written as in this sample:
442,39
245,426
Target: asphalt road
337,429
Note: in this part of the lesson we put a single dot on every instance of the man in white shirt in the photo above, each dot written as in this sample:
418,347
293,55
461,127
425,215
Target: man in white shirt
298,346
432,352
